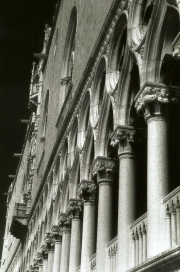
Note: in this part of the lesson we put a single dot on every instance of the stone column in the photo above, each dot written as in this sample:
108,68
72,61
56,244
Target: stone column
66,237
123,137
49,240
74,208
103,168
87,190
57,248
153,101
44,252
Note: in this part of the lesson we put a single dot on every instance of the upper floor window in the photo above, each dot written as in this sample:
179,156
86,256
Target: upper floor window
69,51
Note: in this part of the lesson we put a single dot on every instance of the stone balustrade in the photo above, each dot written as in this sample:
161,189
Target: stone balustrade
139,240
93,263
172,210
112,255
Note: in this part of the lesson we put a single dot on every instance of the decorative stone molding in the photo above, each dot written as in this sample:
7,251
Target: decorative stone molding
44,252
74,207
64,221
49,240
87,190
123,139
56,233
154,98
103,168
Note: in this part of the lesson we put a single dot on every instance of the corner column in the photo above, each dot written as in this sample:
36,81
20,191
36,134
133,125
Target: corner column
57,248
123,138
153,101
87,191
103,168
66,237
74,208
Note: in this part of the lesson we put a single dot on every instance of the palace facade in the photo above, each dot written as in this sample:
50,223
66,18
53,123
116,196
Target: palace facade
97,188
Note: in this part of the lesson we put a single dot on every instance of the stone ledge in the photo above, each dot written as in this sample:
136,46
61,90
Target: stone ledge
168,260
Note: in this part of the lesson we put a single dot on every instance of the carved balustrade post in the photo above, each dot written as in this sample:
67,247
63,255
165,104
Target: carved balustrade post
87,191
103,168
64,222
153,101
49,240
73,209
44,252
57,236
39,259
123,139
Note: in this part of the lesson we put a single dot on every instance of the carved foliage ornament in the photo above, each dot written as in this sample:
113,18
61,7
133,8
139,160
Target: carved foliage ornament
158,96
103,168
123,138
74,208
49,240
64,221
87,190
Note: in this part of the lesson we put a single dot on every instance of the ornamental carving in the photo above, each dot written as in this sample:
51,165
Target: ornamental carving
39,258
154,99
49,240
64,221
56,233
123,139
87,190
44,252
151,95
103,168
74,207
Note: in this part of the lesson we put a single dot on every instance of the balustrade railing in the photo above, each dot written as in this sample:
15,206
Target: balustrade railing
172,210
93,263
139,240
112,255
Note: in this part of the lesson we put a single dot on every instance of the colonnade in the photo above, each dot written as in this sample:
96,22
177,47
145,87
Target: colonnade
73,241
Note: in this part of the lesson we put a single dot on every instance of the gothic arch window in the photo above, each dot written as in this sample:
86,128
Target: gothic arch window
69,52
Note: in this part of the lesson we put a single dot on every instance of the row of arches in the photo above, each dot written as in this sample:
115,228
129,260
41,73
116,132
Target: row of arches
109,101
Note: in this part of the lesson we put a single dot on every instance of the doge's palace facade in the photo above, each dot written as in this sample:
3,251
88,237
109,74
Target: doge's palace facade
98,183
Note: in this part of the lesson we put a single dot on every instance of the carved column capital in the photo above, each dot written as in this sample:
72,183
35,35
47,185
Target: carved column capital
56,233
49,240
64,222
74,207
103,168
154,98
87,190
44,252
39,258
123,139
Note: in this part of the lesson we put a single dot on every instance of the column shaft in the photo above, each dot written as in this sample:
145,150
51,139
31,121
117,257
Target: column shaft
75,248
50,260
126,208
66,236
57,256
157,183
45,265
88,235
104,228
40,268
